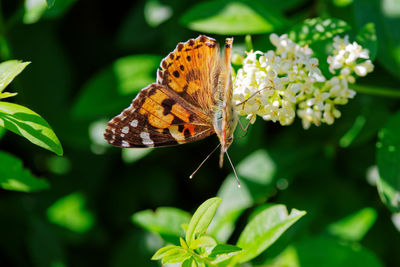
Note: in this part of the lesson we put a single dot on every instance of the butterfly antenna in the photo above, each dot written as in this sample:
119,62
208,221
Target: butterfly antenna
201,164
234,171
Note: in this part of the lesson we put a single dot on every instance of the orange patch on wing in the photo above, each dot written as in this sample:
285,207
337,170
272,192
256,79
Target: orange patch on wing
189,127
180,112
156,115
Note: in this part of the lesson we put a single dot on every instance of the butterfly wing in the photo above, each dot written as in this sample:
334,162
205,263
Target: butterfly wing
157,117
179,107
192,70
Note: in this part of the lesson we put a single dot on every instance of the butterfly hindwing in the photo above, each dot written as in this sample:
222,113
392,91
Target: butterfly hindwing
158,116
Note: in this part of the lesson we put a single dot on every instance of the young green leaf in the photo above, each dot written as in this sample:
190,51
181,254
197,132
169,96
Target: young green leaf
14,177
9,70
165,221
317,29
203,242
202,218
116,85
30,125
171,254
366,37
165,251
388,161
233,17
222,252
355,226
264,229
7,94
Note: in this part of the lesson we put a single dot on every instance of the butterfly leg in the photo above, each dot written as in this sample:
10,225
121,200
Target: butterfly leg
254,94
244,129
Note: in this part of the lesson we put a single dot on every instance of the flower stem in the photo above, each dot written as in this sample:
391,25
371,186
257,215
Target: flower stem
248,42
379,91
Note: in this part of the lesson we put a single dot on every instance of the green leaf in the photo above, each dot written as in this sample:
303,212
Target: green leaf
366,37
156,13
14,177
70,212
355,226
222,252
388,161
202,218
327,252
317,29
234,201
233,17
385,17
30,125
164,251
132,155
34,10
171,254
256,172
7,95
165,221
258,168
203,242
342,3
264,229
175,255
190,262
116,85
9,70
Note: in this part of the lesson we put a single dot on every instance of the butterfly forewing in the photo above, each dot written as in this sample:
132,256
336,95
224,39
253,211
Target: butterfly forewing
192,70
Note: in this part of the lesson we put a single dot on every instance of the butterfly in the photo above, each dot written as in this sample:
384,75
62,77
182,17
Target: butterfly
191,100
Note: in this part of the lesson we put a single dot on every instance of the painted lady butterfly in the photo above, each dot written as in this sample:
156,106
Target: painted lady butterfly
192,99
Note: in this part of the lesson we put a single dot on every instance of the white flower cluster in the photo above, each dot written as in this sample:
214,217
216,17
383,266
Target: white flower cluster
276,84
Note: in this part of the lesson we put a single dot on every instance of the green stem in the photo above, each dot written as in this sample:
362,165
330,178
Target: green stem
248,42
379,91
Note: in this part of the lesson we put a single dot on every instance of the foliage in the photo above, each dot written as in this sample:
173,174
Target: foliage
200,249
79,63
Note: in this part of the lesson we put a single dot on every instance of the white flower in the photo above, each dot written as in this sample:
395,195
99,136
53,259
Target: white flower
347,57
279,84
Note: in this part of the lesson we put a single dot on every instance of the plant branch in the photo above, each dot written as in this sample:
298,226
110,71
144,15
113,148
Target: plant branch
378,91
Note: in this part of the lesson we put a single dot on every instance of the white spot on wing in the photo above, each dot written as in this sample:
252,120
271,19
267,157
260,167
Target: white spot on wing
125,144
146,139
134,123
125,130
122,135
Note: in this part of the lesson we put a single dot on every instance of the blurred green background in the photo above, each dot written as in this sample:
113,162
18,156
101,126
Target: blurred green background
90,58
